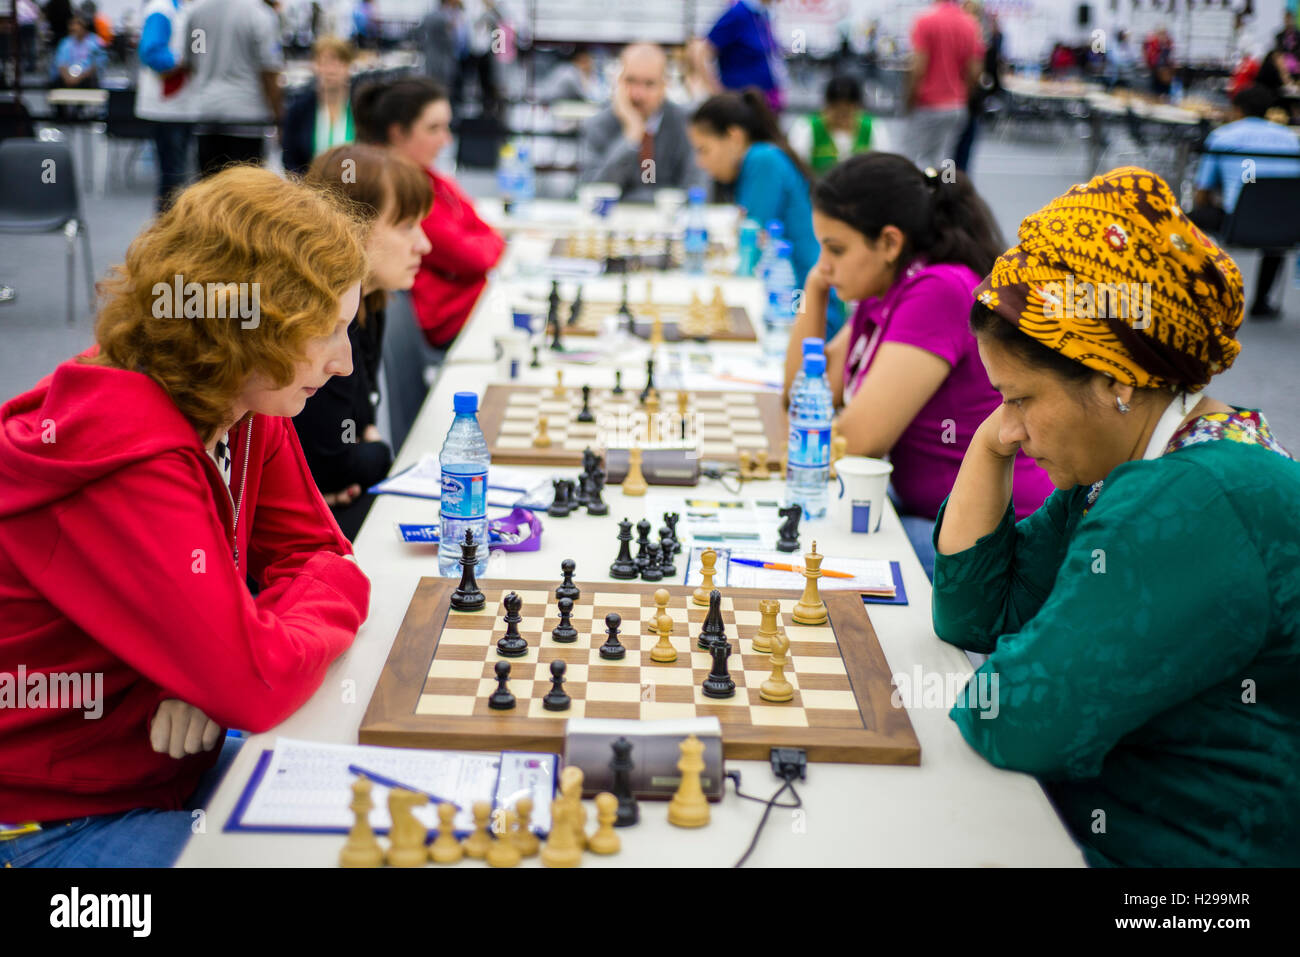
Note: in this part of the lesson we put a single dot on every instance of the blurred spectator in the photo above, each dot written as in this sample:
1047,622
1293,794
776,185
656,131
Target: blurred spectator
699,78
840,130
29,15
1159,55
947,59
79,60
163,94
365,25
57,14
1061,60
437,38
1121,60
320,117
747,52
480,26
574,79
1273,73
639,142
1219,178
236,77
989,84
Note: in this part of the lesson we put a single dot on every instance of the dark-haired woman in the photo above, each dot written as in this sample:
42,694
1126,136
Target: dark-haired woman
841,129
905,372
344,448
412,117
1141,626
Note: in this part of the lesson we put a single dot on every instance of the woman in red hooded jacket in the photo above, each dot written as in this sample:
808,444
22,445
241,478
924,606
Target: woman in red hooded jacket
412,116
142,484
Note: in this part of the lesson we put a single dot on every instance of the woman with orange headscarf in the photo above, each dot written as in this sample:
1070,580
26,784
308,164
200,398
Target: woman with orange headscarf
1141,626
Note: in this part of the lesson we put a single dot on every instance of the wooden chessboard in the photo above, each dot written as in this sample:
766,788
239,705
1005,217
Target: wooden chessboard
626,252
721,424
736,327
435,685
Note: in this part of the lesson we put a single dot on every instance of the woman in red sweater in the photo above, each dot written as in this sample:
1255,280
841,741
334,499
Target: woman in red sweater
141,485
412,115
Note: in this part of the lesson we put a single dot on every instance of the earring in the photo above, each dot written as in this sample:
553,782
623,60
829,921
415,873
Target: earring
1119,404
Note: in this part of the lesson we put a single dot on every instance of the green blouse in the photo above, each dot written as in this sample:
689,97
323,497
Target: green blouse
1147,654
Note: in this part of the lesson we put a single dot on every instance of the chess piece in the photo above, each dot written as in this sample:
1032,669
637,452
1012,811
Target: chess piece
584,490
567,495
585,414
566,588
649,379
467,596
511,644
477,844
362,848
595,504
634,482
605,840
621,767
537,361
445,849
839,445
652,416
571,789
788,533
663,651
708,558
713,629
810,609
503,852
666,567
558,391
557,699
562,849
553,317
761,470
746,464
502,699
777,687
523,835
717,312
612,649
618,382
689,807
652,572
656,327
719,683
542,440
406,835
557,508
671,519
643,543
768,609
624,567
564,632
575,308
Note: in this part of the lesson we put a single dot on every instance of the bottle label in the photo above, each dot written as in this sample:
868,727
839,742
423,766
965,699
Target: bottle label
810,448
464,495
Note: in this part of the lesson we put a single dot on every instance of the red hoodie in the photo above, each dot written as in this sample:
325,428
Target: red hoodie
454,272
116,557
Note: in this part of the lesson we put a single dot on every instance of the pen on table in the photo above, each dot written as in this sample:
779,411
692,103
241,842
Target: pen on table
782,567
390,783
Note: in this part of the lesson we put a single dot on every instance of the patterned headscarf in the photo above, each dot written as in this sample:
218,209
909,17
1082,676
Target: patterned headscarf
1114,275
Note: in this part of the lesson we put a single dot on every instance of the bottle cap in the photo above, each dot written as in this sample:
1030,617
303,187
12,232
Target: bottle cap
696,194
814,365
813,345
775,229
465,402
782,248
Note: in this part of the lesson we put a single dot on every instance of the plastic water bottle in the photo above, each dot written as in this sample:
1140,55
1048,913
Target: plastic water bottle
779,315
506,177
774,233
812,346
525,178
1176,91
464,460
697,233
748,248
809,454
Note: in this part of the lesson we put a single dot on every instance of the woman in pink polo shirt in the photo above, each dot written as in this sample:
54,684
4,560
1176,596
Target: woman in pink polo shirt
905,372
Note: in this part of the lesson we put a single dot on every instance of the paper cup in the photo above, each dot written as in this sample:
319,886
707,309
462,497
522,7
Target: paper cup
858,499
596,199
511,351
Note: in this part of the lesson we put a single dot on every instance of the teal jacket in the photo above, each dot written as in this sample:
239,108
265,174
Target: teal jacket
1147,655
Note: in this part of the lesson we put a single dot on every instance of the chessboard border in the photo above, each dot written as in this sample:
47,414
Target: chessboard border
496,398
390,719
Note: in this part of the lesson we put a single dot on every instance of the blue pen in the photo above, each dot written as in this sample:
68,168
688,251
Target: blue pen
390,783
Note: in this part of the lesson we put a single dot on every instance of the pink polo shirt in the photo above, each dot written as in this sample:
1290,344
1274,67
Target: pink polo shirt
950,38
929,307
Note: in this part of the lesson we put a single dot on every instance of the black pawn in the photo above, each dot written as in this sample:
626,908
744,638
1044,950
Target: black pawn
586,415
624,566
612,649
556,699
553,317
643,543
652,571
565,632
467,596
621,766
649,379
537,362
618,382
719,683
567,589
595,504
502,699
714,630
575,310
584,490
666,567
511,644
557,508
671,519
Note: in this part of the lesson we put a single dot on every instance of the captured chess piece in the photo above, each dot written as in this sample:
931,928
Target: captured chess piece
558,507
477,844
557,699
621,766
562,848
810,609
504,852
624,567
542,440
666,567
671,519
511,644
612,649
768,609
571,788
445,849
523,836
362,848
406,835
788,534
634,482
713,629
467,596
642,543
652,571
502,699
719,683
605,840
595,504
689,807
708,558
777,687
663,651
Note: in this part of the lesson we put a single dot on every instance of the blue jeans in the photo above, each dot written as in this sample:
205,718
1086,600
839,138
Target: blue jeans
172,141
920,532
143,837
